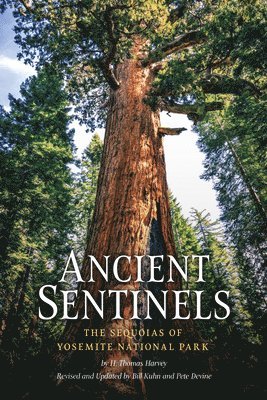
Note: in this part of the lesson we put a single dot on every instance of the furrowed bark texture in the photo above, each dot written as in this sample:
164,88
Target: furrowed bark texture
132,214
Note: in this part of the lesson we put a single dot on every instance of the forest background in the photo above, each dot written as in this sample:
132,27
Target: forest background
48,193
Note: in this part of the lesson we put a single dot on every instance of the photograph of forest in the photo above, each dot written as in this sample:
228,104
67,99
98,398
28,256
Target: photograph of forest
118,71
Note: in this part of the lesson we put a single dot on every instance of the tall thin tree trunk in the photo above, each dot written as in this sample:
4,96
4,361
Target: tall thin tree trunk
13,320
22,295
10,307
254,195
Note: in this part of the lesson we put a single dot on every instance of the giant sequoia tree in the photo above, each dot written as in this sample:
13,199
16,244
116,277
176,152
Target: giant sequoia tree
124,62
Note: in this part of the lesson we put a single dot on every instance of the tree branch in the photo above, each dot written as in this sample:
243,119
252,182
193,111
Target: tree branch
170,131
180,43
194,112
112,38
217,63
109,75
218,84
190,108
105,62
27,4
177,12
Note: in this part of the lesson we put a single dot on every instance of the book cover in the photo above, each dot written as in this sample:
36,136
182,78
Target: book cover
132,199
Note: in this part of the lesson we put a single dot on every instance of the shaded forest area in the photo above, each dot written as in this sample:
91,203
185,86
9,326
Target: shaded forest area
203,59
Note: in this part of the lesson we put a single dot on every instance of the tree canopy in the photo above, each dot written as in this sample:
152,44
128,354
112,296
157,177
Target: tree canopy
200,51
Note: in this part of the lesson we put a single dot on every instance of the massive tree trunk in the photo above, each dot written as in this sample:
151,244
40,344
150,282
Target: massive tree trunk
132,213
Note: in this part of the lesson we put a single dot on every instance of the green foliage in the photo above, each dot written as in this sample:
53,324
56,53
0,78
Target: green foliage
233,50
221,273
236,162
85,193
202,236
234,143
87,39
184,235
84,39
36,211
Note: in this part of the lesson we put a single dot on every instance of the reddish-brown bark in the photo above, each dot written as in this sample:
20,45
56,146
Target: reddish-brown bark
132,195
